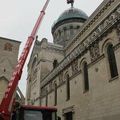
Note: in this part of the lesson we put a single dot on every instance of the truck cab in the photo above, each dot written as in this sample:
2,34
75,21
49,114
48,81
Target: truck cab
28,112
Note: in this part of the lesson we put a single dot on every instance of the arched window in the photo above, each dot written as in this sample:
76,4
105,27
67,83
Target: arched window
55,94
55,63
78,27
46,97
65,29
59,32
112,61
86,78
71,30
67,87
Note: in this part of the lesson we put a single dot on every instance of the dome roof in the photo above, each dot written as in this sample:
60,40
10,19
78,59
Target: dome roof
71,14
70,20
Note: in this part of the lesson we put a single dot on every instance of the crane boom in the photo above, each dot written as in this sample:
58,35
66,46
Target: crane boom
7,99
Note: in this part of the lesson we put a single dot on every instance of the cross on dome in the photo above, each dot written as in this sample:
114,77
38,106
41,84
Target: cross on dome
70,2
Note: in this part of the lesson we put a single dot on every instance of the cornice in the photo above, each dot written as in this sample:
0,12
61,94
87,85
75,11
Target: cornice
11,40
104,26
66,22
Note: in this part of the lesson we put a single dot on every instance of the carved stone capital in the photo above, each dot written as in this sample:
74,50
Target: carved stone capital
94,51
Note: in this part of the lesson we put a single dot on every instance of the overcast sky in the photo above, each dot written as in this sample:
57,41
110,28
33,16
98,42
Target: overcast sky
17,19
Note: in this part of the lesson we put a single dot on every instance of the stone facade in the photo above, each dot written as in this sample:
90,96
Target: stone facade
9,53
85,83
41,63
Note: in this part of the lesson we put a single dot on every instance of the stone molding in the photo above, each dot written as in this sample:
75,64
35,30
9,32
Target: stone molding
104,26
68,109
74,66
117,46
65,22
4,78
11,40
94,51
118,30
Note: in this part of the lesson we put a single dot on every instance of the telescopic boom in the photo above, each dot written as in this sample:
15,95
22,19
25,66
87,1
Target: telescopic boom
5,108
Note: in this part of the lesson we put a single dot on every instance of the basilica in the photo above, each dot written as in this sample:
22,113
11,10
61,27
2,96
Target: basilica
79,73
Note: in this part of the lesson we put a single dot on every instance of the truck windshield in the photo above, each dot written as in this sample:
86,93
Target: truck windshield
32,115
39,115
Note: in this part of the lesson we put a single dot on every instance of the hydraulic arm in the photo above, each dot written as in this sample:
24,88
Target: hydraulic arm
5,107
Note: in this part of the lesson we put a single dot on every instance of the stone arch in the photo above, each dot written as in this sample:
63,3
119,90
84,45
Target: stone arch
105,45
81,62
111,64
67,81
85,76
65,75
111,61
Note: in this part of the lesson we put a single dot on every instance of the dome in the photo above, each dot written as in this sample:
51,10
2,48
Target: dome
67,25
72,13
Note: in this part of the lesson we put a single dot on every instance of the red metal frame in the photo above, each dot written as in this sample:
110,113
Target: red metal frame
30,107
5,107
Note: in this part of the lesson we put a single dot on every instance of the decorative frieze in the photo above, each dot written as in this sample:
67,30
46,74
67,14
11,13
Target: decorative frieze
94,51
85,44
118,30
74,67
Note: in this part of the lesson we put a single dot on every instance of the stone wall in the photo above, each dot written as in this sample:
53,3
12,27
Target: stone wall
9,53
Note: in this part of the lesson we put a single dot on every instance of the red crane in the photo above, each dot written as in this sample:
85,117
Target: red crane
5,107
